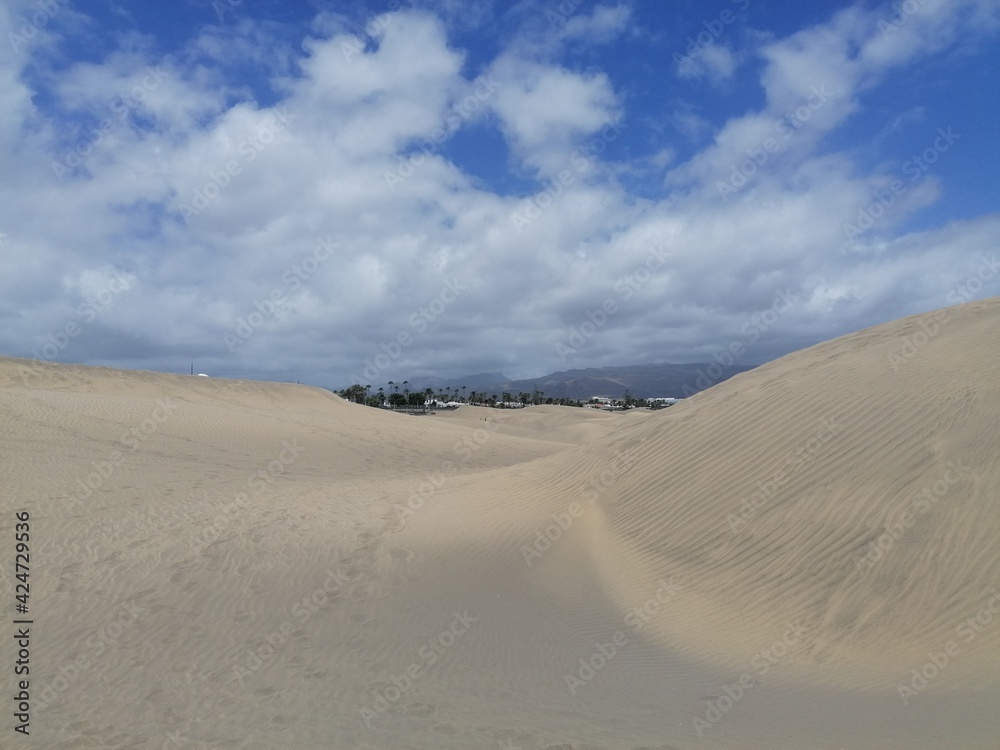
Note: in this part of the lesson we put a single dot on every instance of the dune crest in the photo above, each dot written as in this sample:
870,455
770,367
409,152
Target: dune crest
848,486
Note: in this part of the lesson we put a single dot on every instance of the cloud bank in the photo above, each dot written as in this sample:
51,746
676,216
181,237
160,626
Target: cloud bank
332,206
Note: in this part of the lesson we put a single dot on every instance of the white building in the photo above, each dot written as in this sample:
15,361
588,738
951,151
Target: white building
600,402
663,400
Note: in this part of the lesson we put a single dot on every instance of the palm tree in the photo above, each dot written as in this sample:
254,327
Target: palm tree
463,394
429,393
406,388
381,396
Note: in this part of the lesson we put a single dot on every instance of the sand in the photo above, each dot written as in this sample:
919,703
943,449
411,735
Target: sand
259,565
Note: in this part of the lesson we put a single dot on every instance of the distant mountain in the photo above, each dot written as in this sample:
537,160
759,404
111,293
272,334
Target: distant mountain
643,381
480,382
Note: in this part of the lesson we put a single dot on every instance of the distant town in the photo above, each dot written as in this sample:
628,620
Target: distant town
398,396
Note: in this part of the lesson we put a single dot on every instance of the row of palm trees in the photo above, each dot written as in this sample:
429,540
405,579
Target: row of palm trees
420,399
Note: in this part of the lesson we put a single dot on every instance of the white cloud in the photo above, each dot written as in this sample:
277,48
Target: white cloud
813,80
543,109
362,161
605,24
713,61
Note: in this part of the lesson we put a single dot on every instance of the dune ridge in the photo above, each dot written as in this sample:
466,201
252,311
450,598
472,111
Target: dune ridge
771,490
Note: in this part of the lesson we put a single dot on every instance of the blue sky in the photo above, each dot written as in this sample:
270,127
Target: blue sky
330,192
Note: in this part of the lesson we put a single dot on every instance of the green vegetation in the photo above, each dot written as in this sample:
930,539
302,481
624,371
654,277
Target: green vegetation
430,398
399,396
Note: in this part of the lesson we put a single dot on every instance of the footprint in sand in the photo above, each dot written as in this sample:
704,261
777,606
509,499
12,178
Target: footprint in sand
362,592
394,526
353,573
283,721
362,618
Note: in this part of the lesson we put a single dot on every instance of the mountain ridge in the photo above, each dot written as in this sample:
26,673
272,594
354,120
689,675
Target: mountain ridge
652,380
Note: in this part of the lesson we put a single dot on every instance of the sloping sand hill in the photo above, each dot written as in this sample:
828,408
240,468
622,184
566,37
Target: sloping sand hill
545,422
804,556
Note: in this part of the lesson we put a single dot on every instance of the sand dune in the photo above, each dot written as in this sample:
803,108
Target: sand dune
559,424
254,565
